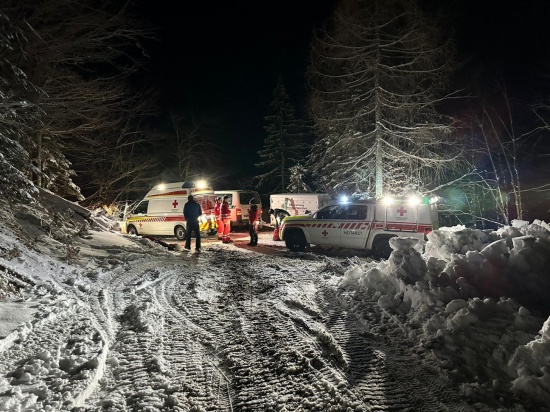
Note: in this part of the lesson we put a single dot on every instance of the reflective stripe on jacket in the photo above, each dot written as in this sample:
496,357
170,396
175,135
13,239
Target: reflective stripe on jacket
226,212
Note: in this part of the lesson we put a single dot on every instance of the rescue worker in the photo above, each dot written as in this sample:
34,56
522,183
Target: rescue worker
191,212
279,215
218,216
253,218
226,219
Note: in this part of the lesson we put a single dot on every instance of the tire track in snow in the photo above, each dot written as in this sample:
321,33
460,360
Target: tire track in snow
274,362
134,374
192,355
383,369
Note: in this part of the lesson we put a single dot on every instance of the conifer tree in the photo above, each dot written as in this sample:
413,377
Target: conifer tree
297,183
377,75
18,115
284,145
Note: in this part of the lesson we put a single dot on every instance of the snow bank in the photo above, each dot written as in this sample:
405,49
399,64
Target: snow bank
478,299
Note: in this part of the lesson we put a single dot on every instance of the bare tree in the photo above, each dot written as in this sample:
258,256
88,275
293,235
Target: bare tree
83,55
377,74
191,146
499,147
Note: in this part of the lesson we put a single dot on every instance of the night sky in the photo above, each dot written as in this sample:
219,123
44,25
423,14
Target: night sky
222,59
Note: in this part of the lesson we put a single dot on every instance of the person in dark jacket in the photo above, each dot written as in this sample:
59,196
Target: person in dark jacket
191,212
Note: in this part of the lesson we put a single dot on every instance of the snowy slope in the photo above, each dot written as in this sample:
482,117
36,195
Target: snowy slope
93,319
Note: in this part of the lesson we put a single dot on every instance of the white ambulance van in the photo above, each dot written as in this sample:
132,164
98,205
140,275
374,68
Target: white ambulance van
160,213
362,224
295,204
239,203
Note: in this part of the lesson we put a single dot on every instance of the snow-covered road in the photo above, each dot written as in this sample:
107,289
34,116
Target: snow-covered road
228,329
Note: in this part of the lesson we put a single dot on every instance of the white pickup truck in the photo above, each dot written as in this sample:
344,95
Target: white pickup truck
361,224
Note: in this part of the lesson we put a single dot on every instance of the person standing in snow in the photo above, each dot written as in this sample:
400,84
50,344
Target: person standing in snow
253,219
278,215
192,211
226,219
218,217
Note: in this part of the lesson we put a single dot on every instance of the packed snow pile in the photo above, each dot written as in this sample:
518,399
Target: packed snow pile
478,299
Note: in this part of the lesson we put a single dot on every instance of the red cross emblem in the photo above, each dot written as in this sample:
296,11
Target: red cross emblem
139,224
324,233
175,203
401,211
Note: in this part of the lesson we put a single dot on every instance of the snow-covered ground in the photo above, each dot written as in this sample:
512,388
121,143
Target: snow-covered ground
99,321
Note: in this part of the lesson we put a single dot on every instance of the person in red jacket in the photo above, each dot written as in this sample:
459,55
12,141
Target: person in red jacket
226,219
218,217
253,219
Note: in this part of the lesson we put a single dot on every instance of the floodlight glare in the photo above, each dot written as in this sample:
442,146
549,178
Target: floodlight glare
388,200
414,200
161,186
344,199
201,184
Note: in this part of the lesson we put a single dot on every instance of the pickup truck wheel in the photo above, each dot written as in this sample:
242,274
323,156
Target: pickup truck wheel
131,230
295,241
180,232
382,248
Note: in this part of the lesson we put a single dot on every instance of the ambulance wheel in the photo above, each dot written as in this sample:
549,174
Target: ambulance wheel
295,241
131,230
382,248
179,232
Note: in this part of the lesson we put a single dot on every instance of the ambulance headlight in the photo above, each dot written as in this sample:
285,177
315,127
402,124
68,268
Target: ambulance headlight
388,200
201,184
344,199
414,200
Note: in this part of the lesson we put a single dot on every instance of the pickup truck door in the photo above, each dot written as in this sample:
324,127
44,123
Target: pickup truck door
325,229
354,229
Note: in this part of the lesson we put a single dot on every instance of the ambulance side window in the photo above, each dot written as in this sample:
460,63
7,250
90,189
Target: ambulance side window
141,208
